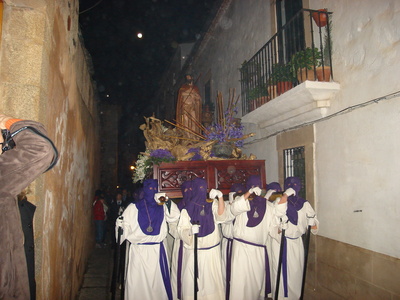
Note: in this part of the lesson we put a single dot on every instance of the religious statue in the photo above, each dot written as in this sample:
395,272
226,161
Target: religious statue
189,107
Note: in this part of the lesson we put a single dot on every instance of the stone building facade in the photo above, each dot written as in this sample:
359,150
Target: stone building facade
45,76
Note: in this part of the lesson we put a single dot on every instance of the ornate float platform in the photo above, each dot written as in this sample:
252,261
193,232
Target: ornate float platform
220,174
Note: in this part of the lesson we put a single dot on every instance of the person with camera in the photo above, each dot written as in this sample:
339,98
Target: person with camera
26,153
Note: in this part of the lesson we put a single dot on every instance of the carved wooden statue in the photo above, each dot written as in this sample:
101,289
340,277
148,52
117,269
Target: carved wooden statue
189,107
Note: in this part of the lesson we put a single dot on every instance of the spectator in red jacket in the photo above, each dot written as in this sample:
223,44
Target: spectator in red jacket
99,213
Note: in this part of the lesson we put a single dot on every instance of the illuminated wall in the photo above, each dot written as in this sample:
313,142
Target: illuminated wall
44,76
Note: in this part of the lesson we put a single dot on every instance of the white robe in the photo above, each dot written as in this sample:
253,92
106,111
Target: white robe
144,280
295,254
248,261
227,233
173,232
210,283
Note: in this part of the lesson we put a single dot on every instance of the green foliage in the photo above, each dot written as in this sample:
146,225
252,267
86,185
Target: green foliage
307,58
251,75
328,43
281,73
258,91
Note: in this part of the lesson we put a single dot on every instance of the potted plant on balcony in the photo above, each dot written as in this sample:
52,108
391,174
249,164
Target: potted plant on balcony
303,63
282,76
258,96
320,17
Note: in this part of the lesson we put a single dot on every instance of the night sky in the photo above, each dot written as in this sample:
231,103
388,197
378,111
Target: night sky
127,70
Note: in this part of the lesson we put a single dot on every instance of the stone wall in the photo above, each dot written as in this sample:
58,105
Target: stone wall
109,117
348,272
44,76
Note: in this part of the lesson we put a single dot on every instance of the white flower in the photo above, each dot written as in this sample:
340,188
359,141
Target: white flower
142,168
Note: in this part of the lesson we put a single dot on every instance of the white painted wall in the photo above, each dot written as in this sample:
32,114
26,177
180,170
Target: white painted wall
242,31
266,150
366,48
357,171
357,158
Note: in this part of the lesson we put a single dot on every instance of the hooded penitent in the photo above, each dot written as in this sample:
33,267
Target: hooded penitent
151,215
258,205
274,186
199,210
295,203
238,188
186,189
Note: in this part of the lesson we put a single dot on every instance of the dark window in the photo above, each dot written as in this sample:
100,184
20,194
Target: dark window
292,40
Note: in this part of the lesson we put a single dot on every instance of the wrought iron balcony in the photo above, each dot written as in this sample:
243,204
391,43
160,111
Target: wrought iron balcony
300,51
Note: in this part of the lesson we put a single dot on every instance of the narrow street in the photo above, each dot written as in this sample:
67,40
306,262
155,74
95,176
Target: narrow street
97,280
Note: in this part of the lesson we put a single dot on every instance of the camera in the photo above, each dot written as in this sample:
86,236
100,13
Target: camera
8,142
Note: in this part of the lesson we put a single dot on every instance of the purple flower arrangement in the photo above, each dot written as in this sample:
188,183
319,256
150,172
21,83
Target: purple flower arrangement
196,155
161,155
227,130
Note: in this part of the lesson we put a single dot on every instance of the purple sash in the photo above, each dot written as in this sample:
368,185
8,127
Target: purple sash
267,274
163,261
208,248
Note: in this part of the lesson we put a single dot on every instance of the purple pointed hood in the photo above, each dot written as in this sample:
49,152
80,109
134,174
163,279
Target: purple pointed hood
274,186
295,203
258,205
186,189
252,181
198,204
150,215
238,188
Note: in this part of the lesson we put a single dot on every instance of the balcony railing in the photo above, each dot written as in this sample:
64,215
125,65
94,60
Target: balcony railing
300,51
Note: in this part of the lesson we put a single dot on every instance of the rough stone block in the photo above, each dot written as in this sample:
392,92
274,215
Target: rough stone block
21,101
21,63
386,272
322,293
345,257
365,290
337,281
396,297
25,24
